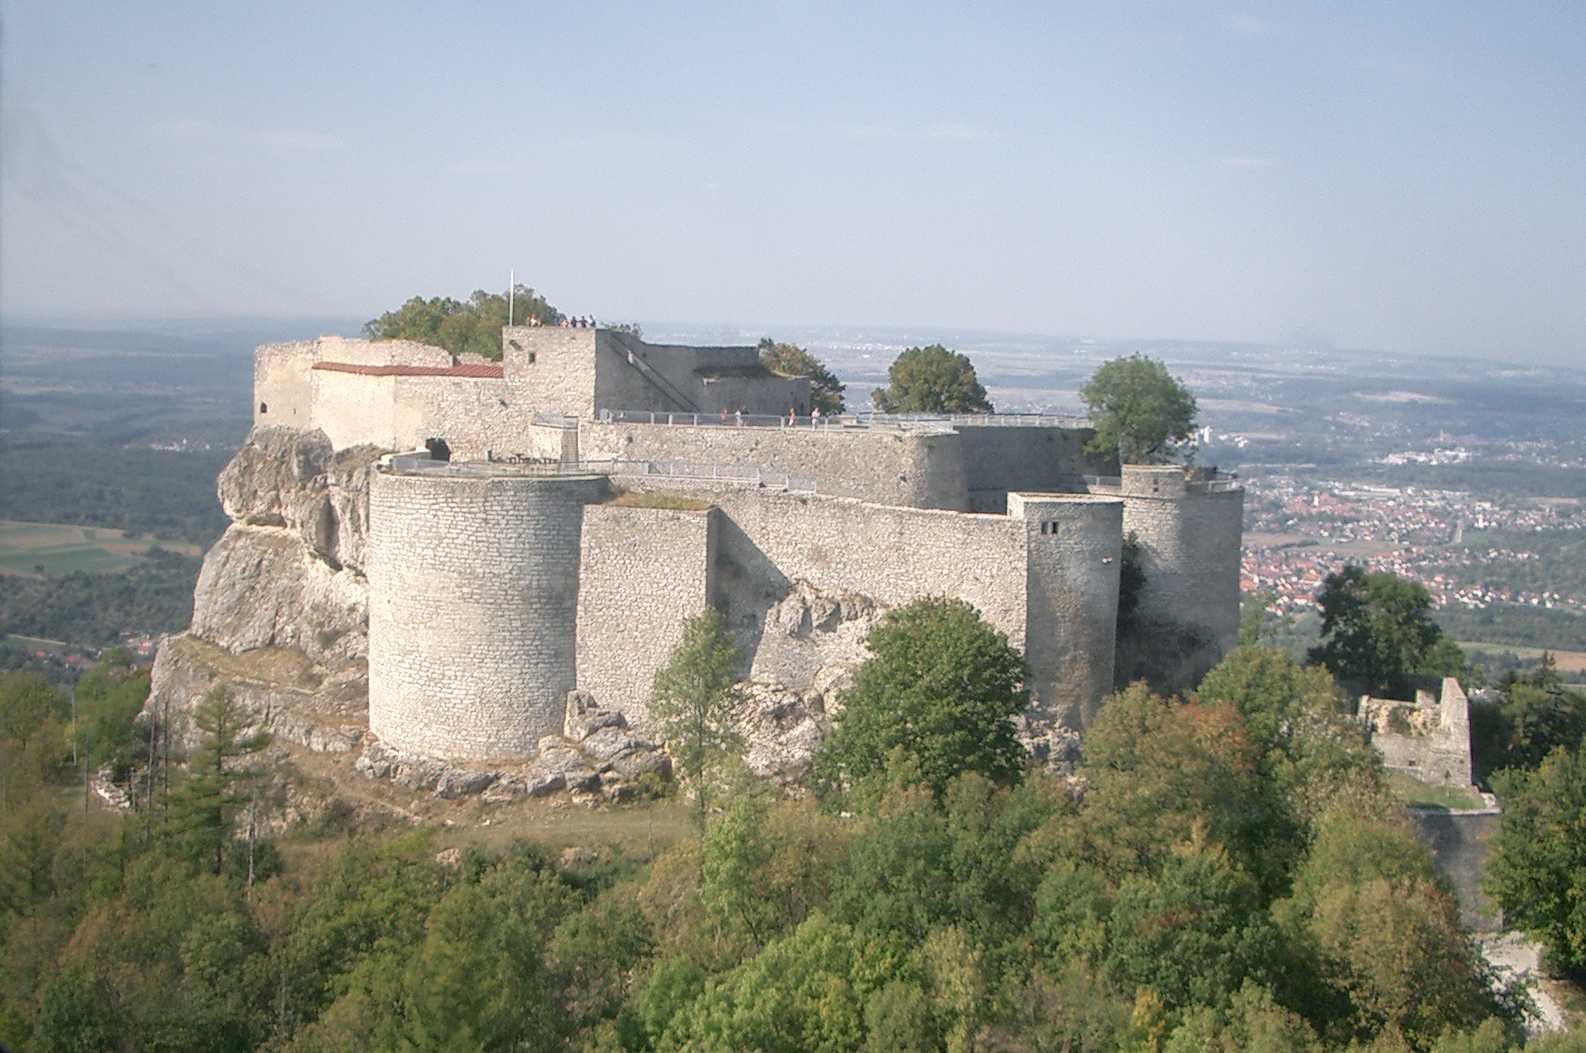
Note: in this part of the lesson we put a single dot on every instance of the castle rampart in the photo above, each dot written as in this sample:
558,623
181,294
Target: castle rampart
1072,543
472,608
1189,534
495,588
643,571
1428,738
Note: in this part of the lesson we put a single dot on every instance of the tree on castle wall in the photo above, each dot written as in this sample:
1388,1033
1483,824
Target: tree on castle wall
931,380
693,699
790,360
1140,411
471,326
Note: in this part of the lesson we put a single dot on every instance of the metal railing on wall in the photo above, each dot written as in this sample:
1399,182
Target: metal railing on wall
904,421
498,467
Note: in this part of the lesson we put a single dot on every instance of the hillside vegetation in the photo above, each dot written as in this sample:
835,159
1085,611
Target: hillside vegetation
1235,875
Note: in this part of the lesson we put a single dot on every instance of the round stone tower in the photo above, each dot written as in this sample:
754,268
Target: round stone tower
473,596
1072,547
1190,532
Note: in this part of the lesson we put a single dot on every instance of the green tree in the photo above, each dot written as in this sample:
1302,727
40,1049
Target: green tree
1537,870
1384,933
1378,632
471,326
1140,411
790,360
931,380
942,686
204,808
693,699
26,701
1535,716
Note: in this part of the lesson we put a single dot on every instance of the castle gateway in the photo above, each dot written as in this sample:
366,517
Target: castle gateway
579,499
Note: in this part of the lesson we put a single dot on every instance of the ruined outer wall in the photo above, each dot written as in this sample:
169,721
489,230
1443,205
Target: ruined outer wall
1042,459
910,469
644,570
1190,543
892,555
1074,543
473,588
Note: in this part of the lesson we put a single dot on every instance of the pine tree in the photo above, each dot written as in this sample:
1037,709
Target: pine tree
203,810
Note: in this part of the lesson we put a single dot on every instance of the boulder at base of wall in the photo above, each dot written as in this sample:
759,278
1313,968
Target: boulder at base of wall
781,729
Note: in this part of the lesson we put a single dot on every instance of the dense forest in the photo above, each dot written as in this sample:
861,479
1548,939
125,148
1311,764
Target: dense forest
1228,873
154,596
159,493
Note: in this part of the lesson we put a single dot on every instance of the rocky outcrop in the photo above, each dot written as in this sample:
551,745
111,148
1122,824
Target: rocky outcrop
280,612
810,635
263,587
287,478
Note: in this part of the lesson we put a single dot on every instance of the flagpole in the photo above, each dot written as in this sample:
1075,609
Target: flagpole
512,281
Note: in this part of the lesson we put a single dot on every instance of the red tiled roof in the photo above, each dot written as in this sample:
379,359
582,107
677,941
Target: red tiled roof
477,372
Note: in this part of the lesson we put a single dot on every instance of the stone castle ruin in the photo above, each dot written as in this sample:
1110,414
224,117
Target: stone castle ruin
491,536
1428,738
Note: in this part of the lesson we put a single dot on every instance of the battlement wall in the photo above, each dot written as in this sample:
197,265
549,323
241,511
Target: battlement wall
643,571
473,603
912,469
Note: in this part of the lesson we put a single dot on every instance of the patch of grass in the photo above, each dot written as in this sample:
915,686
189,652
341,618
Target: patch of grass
668,501
1417,794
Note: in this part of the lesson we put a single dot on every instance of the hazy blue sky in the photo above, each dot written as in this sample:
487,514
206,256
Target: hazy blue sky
1408,176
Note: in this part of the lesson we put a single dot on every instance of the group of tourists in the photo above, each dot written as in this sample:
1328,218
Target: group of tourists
565,323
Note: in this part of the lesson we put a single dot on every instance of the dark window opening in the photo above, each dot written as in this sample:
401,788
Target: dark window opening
263,408
531,358
439,451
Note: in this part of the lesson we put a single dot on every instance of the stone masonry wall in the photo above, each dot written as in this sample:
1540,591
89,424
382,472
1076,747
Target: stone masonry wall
550,370
767,542
473,591
883,465
1074,544
1043,459
644,570
1190,542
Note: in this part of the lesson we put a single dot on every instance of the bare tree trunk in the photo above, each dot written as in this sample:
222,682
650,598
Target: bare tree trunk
253,831
148,791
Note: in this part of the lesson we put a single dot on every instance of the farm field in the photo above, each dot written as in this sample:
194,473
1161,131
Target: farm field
61,548
1568,661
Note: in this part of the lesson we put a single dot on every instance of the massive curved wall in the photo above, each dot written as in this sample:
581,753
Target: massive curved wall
473,602
1073,543
1189,540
